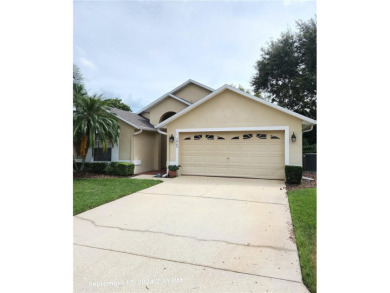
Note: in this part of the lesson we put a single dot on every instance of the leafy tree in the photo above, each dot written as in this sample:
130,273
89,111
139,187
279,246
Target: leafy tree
248,91
77,76
78,82
287,70
92,121
117,103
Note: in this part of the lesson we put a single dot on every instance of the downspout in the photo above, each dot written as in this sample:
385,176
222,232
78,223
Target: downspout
310,129
169,153
161,132
139,132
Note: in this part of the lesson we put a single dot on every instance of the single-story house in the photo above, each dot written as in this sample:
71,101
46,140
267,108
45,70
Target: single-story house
222,132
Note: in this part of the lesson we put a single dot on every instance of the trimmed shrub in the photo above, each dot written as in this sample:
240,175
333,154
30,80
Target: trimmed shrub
86,166
121,169
97,167
124,169
293,174
111,170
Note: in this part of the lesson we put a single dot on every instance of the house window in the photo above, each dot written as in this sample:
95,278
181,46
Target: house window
197,137
99,155
236,137
220,138
274,137
188,138
210,136
247,136
261,136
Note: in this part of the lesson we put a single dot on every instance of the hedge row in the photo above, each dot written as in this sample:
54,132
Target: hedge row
113,168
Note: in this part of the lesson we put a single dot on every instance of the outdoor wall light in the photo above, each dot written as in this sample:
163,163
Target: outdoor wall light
293,137
171,138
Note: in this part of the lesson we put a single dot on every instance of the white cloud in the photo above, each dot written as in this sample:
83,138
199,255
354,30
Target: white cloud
87,63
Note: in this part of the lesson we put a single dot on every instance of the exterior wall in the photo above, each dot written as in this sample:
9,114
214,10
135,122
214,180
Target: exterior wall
192,93
125,141
229,109
168,105
145,151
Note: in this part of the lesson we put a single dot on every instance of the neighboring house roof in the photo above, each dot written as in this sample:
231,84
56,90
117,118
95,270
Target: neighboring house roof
305,120
133,119
170,94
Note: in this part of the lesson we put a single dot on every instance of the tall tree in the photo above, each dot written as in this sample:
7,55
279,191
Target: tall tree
287,70
92,122
117,103
78,82
248,91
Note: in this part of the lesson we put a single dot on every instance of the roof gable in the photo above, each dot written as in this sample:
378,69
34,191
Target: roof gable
133,119
171,94
249,96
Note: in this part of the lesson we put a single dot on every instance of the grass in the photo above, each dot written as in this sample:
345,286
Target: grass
93,192
303,206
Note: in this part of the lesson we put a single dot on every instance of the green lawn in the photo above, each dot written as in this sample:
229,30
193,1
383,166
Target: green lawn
303,206
93,192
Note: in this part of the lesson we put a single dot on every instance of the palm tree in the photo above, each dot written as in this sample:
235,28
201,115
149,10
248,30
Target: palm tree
92,122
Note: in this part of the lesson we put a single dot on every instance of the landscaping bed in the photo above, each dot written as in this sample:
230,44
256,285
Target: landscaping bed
89,193
79,175
304,183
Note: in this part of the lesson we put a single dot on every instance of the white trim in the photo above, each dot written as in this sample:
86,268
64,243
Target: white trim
89,157
286,130
115,152
173,91
180,100
221,89
137,162
138,132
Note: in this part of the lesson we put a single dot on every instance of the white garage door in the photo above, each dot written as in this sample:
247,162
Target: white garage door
237,154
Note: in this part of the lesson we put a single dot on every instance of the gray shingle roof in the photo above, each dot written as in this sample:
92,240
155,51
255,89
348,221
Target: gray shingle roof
133,119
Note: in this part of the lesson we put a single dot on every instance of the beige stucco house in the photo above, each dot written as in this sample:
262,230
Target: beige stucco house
222,132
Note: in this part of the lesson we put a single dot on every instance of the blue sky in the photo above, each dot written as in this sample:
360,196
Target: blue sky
139,50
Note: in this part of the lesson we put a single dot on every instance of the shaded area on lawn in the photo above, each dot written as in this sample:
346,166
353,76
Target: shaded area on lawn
93,192
303,207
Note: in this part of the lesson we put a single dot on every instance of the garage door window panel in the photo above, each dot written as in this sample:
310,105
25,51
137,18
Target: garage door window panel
198,137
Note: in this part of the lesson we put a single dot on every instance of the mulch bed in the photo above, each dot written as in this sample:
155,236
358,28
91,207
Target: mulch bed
153,172
93,175
304,183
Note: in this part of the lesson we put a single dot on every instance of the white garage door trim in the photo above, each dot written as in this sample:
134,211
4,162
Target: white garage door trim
285,128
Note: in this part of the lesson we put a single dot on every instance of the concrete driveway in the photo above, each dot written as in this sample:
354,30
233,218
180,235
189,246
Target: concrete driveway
190,234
